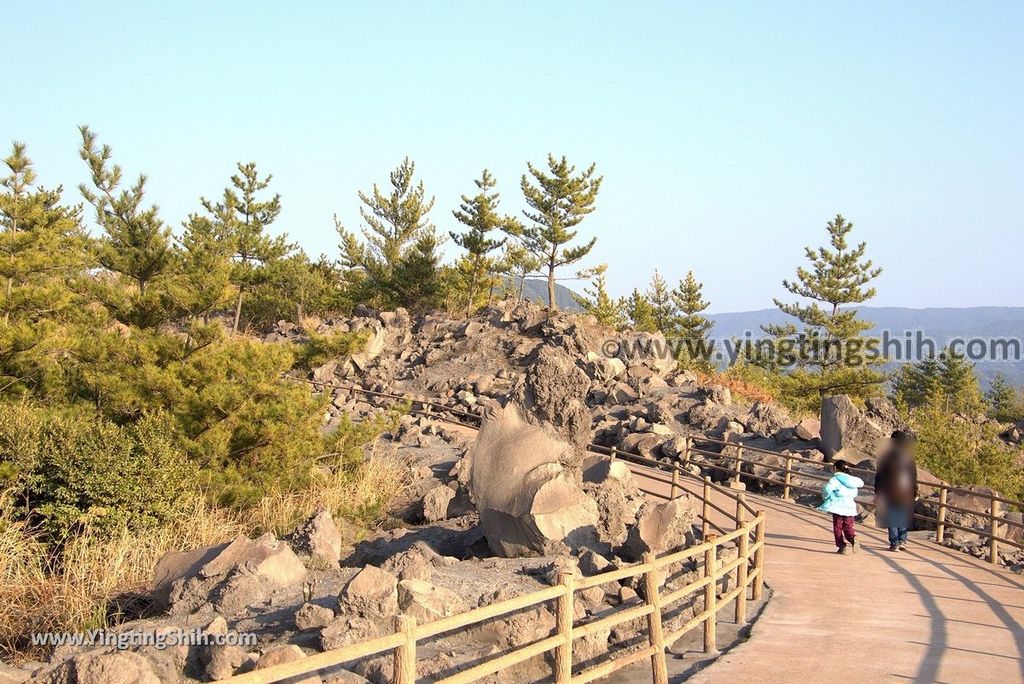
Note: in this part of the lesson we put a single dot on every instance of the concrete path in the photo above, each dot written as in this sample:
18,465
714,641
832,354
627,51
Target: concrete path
929,614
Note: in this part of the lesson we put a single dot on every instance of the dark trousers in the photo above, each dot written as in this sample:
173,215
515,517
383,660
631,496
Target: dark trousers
898,522
842,528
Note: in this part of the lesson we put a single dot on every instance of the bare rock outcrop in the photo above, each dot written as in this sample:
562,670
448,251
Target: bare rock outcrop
555,393
661,527
858,434
525,465
318,538
527,496
98,667
436,502
230,576
372,593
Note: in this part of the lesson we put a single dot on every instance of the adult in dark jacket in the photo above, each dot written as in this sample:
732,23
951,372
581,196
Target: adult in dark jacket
896,488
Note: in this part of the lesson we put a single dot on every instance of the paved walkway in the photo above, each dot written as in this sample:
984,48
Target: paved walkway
929,614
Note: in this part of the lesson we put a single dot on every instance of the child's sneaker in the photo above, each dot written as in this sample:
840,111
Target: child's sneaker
841,550
903,546
894,549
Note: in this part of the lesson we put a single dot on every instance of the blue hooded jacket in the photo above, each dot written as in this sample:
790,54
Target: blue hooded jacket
839,494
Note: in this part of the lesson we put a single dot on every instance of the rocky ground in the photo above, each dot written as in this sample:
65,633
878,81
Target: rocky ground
487,516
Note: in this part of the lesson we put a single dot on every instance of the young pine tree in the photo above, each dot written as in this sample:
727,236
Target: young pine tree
416,280
663,306
479,214
959,383
691,326
915,382
203,281
834,360
559,201
597,302
640,313
42,249
136,244
244,218
42,243
395,223
1004,400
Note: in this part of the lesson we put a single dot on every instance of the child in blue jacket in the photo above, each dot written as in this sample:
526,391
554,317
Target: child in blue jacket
839,495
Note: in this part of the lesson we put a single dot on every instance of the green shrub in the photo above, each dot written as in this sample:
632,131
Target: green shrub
77,471
962,452
319,349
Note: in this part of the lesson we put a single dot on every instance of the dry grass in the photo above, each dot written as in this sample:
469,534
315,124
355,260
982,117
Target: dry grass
85,587
743,389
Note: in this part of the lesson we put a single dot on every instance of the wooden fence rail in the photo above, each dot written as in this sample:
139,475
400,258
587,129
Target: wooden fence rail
784,478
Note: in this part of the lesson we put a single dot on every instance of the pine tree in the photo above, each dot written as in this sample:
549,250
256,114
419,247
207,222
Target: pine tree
395,223
42,249
663,306
203,282
558,203
291,289
959,383
479,214
640,313
597,302
243,219
948,376
42,243
136,244
915,382
1004,400
691,327
416,281
833,356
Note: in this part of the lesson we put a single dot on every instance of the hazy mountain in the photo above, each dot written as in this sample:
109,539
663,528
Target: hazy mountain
938,324
536,289
941,325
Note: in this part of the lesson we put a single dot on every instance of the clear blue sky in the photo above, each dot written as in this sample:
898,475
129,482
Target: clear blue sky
728,133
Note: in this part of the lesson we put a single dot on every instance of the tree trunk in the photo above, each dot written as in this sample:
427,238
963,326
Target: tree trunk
238,312
472,295
551,288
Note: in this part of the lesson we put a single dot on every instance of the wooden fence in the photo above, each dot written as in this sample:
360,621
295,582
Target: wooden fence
734,454
747,536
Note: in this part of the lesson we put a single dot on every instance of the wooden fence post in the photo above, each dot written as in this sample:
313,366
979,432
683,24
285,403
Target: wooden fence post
711,595
705,526
739,464
743,549
940,527
758,590
687,446
405,653
659,669
788,478
675,483
993,541
564,610
613,454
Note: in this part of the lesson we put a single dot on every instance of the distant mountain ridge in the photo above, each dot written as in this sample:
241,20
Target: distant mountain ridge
536,290
940,324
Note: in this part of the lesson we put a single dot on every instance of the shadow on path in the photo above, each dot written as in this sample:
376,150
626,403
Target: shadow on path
928,668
